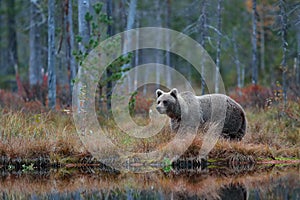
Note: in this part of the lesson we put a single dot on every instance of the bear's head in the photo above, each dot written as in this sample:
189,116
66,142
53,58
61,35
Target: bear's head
167,103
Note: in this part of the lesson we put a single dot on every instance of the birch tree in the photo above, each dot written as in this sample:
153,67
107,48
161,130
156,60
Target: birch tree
254,43
12,33
70,44
51,55
130,23
218,63
158,54
203,29
136,60
236,59
1,50
83,25
108,71
262,40
283,33
168,57
298,52
35,60
84,34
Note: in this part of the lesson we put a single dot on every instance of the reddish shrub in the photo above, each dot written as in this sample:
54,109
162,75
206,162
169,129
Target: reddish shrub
10,100
253,96
142,104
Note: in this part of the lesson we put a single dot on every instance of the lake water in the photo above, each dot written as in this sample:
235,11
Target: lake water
261,182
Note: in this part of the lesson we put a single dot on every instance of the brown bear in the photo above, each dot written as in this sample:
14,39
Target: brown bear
172,103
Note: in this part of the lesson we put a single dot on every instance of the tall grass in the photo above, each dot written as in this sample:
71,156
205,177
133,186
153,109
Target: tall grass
271,132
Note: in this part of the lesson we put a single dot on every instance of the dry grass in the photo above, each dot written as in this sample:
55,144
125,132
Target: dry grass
49,135
271,134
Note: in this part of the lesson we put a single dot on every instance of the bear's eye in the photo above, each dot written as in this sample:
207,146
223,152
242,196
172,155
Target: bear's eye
158,102
165,102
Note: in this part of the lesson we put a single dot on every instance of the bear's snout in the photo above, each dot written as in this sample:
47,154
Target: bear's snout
160,109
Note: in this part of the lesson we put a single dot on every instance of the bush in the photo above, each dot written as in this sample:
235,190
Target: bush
254,96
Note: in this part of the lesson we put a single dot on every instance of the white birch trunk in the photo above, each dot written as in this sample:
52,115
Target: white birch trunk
203,26
254,43
284,27
262,42
35,58
168,58
158,41
218,63
71,47
298,53
136,55
130,23
83,29
51,56
236,60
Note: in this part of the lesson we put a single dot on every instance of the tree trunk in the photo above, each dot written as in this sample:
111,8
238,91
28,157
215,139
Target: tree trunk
158,55
130,23
51,56
236,60
108,71
136,54
35,60
283,31
298,53
168,58
262,42
83,25
12,34
70,44
254,43
1,51
131,14
218,45
203,28
84,34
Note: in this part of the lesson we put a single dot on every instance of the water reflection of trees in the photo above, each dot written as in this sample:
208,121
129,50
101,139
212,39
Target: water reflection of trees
210,183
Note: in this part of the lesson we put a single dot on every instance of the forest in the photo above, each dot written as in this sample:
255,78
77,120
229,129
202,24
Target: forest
252,43
44,44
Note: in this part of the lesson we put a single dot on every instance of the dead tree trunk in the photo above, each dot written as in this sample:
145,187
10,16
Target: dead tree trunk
12,33
262,42
84,34
236,60
35,58
168,57
51,56
136,54
109,71
254,43
218,63
283,31
70,43
203,28
298,52
130,23
158,54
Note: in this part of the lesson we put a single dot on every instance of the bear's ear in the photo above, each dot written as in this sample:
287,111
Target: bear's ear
158,93
174,93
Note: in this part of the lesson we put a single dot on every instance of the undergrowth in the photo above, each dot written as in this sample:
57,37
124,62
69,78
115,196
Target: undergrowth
271,133
27,129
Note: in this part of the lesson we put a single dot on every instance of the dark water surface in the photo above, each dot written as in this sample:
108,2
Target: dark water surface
263,182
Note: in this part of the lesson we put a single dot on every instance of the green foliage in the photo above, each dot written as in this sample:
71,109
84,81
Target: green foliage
167,165
132,103
26,168
98,24
97,8
88,17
